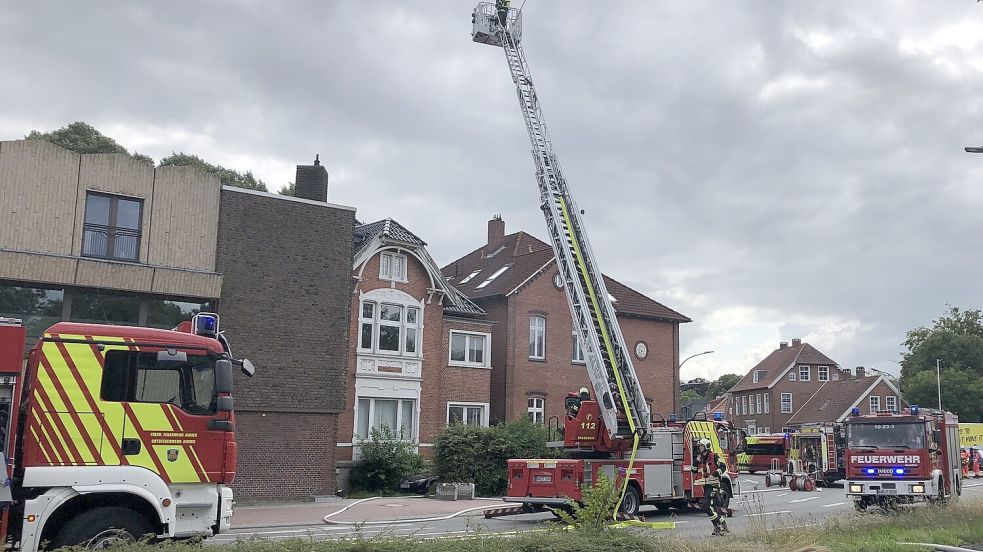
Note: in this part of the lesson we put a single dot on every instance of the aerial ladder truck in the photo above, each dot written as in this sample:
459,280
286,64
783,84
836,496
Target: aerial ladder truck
615,428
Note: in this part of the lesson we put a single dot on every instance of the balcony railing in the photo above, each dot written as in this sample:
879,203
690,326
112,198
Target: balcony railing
110,242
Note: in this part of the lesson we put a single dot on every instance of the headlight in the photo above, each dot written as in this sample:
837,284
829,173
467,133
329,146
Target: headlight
919,488
856,488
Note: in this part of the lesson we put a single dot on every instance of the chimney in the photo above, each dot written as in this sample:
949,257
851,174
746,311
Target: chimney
861,372
796,342
312,181
496,231
783,345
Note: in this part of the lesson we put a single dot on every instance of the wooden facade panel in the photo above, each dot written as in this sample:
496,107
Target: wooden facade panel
184,232
38,183
30,267
119,174
181,283
110,275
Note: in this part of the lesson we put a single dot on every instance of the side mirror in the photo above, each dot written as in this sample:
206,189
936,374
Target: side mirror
937,436
247,368
223,376
225,404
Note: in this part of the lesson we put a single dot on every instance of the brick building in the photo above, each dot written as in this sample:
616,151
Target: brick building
767,396
421,351
107,238
537,361
834,400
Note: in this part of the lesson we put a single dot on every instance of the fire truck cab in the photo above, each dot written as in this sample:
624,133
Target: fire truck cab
816,450
116,432
895,458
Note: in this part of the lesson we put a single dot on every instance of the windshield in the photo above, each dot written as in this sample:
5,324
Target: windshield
905,435
767,449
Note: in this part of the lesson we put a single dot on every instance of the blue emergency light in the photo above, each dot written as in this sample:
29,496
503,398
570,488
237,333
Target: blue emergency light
205,323
672,417
855,411
898,471
914,410
718,416
870,471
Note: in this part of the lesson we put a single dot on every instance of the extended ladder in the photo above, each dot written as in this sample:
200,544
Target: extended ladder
611,372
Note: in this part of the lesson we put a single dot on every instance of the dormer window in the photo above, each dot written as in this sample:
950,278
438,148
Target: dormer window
392,266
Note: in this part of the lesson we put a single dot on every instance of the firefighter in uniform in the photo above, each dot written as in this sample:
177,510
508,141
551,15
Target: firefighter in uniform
709,469
502,7
964,460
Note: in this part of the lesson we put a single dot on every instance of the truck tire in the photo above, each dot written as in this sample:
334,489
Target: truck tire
632,501
102,527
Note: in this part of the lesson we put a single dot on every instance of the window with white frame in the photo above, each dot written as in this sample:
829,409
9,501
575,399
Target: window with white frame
475,414
875,403
535,407
767,406
744,405
891,403
786,403
767,429
537,337
389,328
395,414
757,403
754,376
578,352
392,266
824,373
804,372
470,349
791,375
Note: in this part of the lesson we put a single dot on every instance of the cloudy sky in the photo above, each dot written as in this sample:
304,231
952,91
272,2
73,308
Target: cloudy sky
771,169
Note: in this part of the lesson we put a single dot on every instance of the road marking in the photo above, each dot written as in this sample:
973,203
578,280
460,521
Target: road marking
804,499
768,513
783,494
973,485
833,504
763,491
749,481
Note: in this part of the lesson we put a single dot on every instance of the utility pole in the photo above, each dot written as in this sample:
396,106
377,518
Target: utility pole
938,379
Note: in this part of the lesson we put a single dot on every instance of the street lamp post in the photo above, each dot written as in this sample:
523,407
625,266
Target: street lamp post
938,369
691,356
974,149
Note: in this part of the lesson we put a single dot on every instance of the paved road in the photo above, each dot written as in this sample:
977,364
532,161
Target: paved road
756,505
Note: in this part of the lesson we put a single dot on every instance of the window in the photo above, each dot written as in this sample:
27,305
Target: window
786,403
578,351
534,407
392,266
537,337
389,328
467,413
767,406
767,428
37,308
891,403
168,314
836,376
105,308
131,376
824,373
756,376
791,375
875,403
744,405
393,416
469,276
804,372
494,275
470,349
112,227
757,403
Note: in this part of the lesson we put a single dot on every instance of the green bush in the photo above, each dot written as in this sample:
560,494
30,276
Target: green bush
597,508
386,461
472,454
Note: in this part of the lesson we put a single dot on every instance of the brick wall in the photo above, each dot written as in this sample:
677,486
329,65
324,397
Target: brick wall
285,306
881,390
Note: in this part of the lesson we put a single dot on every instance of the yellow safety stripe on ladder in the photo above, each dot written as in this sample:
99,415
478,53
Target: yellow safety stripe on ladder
610,348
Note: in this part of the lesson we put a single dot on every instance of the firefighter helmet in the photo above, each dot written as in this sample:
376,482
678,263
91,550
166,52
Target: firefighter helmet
705,442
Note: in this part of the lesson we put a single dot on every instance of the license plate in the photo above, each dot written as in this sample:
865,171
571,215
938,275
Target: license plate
543,478
887,491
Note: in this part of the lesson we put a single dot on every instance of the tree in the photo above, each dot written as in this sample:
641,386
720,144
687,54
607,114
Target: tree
722,385
228,177
82,137
689,395
957,339
288,189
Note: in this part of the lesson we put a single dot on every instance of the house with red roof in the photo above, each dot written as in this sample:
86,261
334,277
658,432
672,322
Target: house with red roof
834,400
536,359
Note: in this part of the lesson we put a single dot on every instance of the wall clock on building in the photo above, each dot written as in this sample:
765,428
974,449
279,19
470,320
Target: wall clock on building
558,281
641,350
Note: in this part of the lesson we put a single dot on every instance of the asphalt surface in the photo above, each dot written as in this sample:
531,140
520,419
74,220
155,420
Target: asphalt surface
772,507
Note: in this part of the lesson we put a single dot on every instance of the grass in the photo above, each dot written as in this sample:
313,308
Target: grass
958,524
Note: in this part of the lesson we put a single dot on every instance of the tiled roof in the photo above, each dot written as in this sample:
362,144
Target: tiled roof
775,364
832,399
525,256
720,404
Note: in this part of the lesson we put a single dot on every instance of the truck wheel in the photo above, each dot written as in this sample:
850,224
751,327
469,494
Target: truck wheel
631,502
102,527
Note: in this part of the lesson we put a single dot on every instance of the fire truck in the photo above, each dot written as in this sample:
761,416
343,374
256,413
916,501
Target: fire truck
763,452
816,450
895,458
115,433
612,433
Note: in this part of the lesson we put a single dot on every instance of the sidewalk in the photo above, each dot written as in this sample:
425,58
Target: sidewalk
380,509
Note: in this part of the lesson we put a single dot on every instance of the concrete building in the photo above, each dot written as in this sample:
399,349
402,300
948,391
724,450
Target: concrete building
537,361
421,351
106,238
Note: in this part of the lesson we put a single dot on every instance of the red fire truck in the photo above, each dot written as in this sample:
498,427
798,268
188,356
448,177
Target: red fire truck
816,451
116,432
660,475
901,458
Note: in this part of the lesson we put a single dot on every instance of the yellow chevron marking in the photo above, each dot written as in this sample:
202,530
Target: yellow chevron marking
41,448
